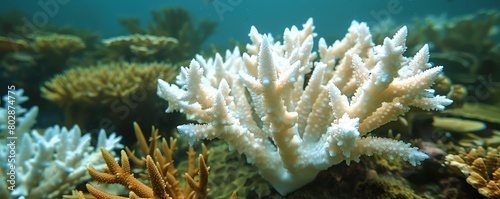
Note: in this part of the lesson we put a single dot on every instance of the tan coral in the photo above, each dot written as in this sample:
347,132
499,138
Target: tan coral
102,84
57,44
57,48
481,167
142,46
78,89
177,23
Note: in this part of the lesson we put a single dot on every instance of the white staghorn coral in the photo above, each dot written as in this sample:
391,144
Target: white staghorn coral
291,128
24,120
50,163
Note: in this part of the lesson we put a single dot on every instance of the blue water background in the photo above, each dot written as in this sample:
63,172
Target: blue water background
236,16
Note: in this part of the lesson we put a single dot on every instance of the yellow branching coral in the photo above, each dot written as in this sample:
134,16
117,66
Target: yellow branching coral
149,149
102,84
163,184
481,167
160,168
120,175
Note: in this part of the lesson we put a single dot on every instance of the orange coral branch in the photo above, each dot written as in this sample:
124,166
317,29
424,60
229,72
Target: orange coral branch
120,175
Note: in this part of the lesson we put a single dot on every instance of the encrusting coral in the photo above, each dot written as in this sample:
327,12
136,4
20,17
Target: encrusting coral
290,129
481,168
231,174
160,168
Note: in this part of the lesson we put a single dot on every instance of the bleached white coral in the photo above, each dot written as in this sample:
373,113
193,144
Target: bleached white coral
49,163
291,128
24,119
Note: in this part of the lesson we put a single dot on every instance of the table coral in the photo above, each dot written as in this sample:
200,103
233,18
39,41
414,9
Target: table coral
57,48
177,23
142,47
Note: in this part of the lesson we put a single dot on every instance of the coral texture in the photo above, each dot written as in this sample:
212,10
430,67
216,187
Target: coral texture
292,126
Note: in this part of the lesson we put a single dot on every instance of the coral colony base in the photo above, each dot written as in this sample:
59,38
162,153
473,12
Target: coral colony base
291,128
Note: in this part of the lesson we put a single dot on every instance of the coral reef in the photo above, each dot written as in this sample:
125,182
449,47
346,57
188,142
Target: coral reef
261,105
284,111
176,23
481,168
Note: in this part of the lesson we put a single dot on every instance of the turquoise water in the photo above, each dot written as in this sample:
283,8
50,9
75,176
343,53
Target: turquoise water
236,16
